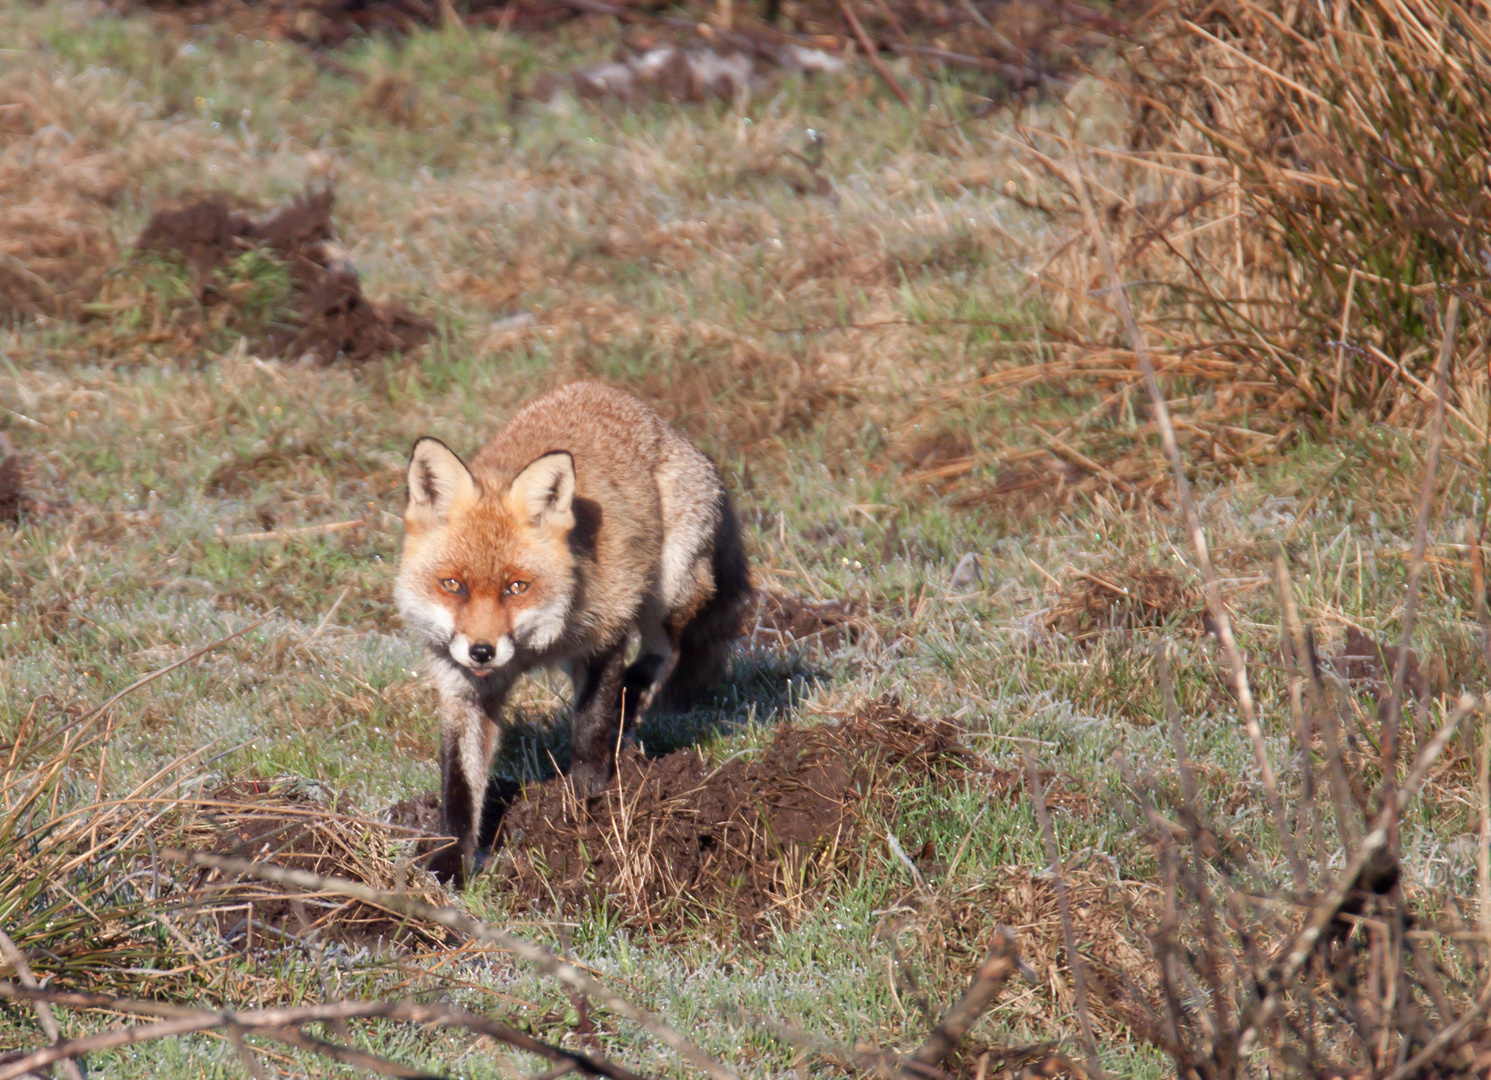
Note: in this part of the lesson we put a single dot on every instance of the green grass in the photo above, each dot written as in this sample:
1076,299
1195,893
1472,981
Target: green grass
661,248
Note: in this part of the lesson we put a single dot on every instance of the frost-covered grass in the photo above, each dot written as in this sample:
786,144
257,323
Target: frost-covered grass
809,342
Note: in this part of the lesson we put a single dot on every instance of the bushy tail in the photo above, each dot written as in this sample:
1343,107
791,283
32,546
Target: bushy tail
706,639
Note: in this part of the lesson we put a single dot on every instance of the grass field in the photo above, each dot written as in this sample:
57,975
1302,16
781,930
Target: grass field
821,287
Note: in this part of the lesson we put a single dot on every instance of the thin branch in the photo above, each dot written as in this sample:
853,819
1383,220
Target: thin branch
185,1021
48,1022
1329,906
1074,959
998,966
1392,710
350,1055
1213,587
403,904
872,53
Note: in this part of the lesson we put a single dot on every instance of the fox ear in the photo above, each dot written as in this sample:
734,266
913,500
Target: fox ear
545,490
437,478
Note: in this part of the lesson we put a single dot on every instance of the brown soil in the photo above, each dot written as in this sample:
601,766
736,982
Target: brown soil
330,317
1125,597
759,836
14,501
282,822
1025,44
1368,662
938,449
778,619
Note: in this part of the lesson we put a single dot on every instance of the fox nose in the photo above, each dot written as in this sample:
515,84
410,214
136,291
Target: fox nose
482,653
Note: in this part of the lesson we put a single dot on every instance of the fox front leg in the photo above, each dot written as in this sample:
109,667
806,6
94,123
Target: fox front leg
469,736
597,722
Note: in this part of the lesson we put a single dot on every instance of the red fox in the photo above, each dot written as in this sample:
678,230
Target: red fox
586,522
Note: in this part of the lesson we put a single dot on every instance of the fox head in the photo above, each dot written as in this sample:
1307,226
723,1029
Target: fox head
486,574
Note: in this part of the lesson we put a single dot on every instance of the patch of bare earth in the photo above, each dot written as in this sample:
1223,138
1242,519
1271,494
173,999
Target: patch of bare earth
754,838
14,501
329,317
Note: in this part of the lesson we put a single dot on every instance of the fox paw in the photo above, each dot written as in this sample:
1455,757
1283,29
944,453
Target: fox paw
449,867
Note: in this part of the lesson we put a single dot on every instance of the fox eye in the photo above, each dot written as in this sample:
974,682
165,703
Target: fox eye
517,588
452,585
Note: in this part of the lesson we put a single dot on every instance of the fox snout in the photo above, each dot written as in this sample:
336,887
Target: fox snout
481,656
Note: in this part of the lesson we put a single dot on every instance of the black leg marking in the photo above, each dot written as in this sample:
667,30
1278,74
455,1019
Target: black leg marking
637,683
597,724
458,811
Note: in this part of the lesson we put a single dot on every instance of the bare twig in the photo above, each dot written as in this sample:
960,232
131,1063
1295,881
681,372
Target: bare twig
566,973
1392,710
183,1021
293,534
1074,959
1325,910
872,53
1213,587
998,966
43,1009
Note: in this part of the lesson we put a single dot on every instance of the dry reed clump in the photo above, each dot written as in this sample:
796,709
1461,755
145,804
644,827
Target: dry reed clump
1356,140
56,191
90,903
1340,188
285,822
757,838
80,893
1296,190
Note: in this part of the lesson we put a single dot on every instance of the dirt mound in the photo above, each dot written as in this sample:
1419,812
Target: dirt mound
778,619
14,501
756,837
1366,661
289,823
1125,597
329,317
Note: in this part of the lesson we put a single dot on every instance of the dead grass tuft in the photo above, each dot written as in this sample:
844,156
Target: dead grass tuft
1131,595
288,823
55,193
1110,917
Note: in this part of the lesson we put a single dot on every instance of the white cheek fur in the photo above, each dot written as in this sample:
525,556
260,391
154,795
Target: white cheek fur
538,628
430,620
505,650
